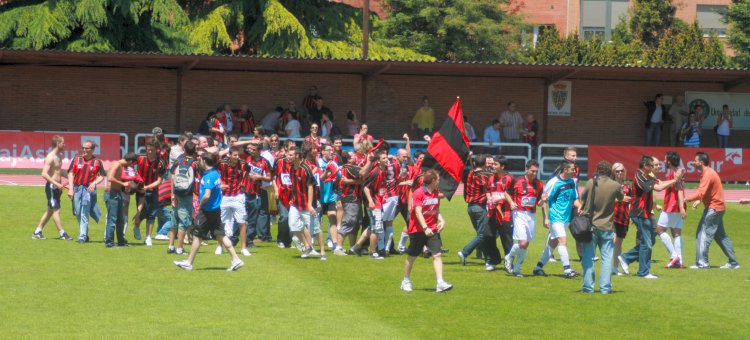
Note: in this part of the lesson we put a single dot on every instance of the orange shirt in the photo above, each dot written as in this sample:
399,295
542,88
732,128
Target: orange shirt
710,191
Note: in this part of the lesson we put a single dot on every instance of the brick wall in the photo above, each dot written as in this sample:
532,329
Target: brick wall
135,100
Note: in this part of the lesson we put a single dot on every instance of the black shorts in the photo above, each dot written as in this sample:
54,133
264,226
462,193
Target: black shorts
328,207
53,196
621,230
209,223
417,241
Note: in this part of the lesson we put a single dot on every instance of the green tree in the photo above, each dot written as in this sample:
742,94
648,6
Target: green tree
650,20
738,19
688,48
458,30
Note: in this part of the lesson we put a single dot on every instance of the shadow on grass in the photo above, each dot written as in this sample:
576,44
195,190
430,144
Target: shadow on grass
213,268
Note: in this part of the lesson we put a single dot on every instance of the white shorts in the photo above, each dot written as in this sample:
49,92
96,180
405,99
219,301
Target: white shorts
390,208
670,220
233,209
557,230
524,225
298,220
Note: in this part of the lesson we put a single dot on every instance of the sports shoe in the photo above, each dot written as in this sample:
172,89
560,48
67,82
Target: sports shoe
329,244
280,245
313,252
443,287
596,258
180,251
673,262
65,237
184,264
730,266
123,244
297,244
517,274
698,266
251,244
552,259
461,257
323,257
571,274
489,267
681,266
81,241
406,285
109,245
171,251
306,253
137,232
38,236
650,276
245,252
218,250
148,241
623,264
508,264
236,264
161,237
339,252
401,250
376,256
539,272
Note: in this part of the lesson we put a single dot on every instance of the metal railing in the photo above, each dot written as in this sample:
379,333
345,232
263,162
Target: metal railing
547,158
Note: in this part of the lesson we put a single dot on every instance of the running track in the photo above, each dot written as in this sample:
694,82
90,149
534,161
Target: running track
36,180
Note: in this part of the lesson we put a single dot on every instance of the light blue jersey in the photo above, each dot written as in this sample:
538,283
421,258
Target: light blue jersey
561,193
327,189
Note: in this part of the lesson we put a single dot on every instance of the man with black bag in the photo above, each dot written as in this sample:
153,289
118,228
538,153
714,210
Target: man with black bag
600,196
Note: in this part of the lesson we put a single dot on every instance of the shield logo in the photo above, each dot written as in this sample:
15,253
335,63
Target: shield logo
559,96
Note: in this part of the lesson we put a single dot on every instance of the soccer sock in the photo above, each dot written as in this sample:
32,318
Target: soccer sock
668,244
545,256
678,246
563,251
402,240
62,232
520,256
125,227
388,238
513,251
38,229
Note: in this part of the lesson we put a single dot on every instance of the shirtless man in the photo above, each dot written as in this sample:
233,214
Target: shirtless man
53,189
119,187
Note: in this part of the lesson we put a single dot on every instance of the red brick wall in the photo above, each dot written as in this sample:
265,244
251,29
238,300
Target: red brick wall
136,100
564,14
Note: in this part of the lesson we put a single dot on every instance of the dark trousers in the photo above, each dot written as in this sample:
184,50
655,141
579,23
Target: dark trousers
115,219
283,234
479,220
264,218
505,230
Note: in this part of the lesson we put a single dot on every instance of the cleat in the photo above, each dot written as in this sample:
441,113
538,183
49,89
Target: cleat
38,236
306,253
650,277
171,251
461,257
673,262
539,272
443,287
237,264
339,252
623,264
730,266
109,245
698,266
375,256
571,274
280,245
184,264
489,267
508,264
65,237
313,252
406,285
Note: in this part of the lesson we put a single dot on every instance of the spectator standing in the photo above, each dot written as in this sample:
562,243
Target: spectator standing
309,101
723,126
291,111
711,226
292,128
423,122
470,133
605,193
492,136
244,120
361,135
326,126
655,114
352,123
271,121
678,113
691,131
205,127
84,173
531,131
511,121
227,119
317,112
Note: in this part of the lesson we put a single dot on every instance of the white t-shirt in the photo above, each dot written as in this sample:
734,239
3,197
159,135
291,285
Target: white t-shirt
723,128
292,129
270,120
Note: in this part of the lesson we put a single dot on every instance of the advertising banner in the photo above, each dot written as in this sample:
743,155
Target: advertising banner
712,102
26,149
727,162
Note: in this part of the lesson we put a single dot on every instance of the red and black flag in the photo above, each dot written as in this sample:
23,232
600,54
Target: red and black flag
448,150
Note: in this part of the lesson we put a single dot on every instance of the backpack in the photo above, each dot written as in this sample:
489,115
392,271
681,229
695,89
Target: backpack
184,178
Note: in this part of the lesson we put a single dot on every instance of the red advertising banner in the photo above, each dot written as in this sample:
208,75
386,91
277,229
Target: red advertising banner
727,162
26,149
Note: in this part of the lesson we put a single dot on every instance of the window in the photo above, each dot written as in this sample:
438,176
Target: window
711,19
599,17
533,33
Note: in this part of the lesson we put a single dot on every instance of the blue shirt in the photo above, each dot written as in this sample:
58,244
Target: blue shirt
327,192
561,193
211,181
491,135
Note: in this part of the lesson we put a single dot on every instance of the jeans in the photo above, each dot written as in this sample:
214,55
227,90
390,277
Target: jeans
164,215
653,134
115,219
253,206
711,227
264,218
642,251
480,222
722,141
606,241
283,234
82,210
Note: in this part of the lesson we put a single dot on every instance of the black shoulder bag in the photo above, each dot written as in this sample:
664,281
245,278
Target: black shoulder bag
581,226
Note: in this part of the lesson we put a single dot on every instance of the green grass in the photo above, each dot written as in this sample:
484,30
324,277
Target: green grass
62,289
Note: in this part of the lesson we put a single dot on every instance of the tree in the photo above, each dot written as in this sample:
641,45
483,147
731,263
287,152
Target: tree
738,19
688,48
296,28
456,30
650,20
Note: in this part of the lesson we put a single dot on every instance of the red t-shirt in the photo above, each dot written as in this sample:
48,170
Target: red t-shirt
233,177
499,186
282,173
258,166
376,182
671,200
430,203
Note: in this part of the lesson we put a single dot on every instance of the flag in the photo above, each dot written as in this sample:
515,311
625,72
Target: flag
448,151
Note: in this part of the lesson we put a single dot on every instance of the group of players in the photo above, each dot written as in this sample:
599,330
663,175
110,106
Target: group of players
213,190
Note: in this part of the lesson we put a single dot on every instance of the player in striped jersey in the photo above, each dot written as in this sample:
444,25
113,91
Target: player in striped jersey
499,212
673,213
84,173
622,210
476,187
232,174
302,200
258,171
351,194
374,190
526,192
282,183
151,168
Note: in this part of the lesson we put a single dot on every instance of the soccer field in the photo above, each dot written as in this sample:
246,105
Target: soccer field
62,289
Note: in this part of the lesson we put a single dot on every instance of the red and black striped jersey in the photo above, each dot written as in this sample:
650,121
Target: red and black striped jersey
622,209
350,192
258,166
476,187
526,193
392,171
150,170
85,171
407,173
377,184
302,177
233,177
643,198
499,186
317,173
671,198
216,124
282,172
